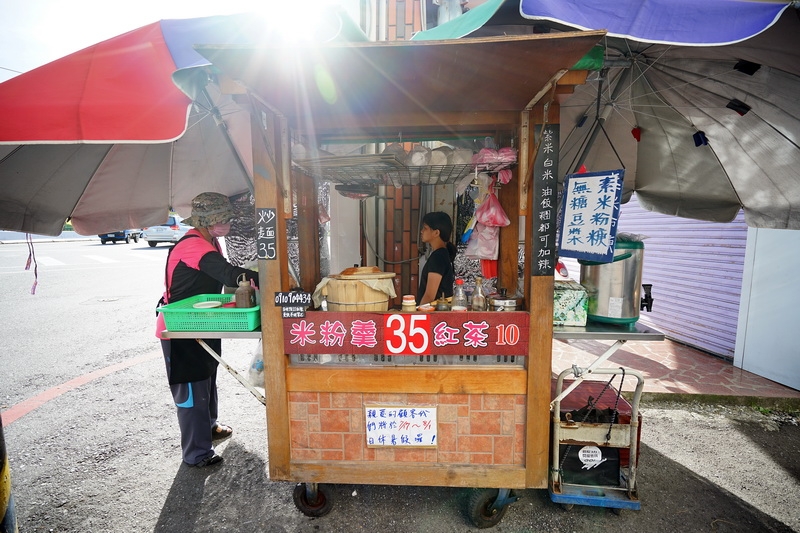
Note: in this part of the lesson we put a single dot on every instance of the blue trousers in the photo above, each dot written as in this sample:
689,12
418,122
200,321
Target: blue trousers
197,405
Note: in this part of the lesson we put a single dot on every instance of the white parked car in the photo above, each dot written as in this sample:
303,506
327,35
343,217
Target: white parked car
171,231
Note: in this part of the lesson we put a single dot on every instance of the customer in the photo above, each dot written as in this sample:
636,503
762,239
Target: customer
438,274
195,265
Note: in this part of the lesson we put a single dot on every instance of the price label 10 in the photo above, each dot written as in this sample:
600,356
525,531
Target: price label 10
407,334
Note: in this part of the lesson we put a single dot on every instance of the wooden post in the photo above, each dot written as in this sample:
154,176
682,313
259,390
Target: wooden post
307,231
508,264
540,259
273,277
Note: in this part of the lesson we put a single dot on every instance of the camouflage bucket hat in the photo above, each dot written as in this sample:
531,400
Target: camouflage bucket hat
209,208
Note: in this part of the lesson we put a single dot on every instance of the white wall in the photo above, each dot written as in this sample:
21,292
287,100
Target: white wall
344,232
768,334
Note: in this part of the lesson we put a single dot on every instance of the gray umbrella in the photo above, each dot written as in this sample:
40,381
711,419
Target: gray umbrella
700,131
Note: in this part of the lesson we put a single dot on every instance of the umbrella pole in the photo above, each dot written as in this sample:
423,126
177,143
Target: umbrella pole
603,115
224,127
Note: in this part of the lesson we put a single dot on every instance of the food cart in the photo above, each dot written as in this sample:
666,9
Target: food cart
456,399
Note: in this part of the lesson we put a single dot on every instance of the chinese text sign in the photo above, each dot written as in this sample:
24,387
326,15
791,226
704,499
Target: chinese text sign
266,233
590,214
400,425
545,204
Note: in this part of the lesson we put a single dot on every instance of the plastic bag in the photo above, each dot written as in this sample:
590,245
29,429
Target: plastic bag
490,212
255,373
484,243
507,155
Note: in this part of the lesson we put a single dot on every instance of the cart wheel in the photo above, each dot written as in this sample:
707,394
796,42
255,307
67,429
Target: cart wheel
616,510
320,507
480,508
567,506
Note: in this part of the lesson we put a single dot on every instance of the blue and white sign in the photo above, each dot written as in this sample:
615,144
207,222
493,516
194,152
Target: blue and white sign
590,215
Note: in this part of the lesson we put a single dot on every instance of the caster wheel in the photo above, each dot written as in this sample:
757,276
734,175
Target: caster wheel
480,508
320,507
567,506
616,510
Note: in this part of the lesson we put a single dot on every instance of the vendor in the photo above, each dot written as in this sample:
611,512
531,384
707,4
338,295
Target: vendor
195,265
438,274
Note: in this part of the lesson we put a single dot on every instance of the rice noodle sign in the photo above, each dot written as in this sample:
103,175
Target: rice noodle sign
410,334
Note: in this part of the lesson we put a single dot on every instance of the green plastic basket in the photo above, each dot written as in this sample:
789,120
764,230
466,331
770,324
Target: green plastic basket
182,316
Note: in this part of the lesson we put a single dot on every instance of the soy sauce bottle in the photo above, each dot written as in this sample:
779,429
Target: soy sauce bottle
478,297
245,295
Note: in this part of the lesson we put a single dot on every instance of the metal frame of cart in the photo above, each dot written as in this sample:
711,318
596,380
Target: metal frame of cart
381,92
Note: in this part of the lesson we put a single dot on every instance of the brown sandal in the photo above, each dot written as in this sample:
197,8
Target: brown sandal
221,431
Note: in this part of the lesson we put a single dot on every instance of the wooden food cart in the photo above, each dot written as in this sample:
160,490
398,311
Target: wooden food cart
441,399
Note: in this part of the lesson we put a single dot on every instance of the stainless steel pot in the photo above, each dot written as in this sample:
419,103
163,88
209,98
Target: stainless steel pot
499,301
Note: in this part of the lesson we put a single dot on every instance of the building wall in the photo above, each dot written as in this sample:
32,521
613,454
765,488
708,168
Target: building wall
696,270
766,342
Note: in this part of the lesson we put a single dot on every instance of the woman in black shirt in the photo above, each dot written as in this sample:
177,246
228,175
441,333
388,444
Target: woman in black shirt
438,274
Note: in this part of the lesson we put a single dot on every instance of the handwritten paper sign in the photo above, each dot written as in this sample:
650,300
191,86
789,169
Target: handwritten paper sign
590,215
400,425
266,233
545,204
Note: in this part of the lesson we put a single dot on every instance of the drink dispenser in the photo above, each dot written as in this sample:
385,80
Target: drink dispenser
614,289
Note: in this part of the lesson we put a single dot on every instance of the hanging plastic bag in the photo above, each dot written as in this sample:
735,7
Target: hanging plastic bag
490,212
484,243
255,374
468,230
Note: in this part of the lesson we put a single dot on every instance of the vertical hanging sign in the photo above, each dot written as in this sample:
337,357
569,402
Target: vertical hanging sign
545,204
591,211
266,233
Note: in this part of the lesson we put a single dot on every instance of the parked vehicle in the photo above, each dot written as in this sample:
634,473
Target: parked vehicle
126,235
171,231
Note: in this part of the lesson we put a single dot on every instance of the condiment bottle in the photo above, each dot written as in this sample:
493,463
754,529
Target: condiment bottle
409,303
459,296
478,298
245,295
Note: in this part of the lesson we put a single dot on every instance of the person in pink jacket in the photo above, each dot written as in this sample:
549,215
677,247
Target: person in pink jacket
195,265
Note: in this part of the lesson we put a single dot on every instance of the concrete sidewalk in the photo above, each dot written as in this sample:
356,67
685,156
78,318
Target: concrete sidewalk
678,371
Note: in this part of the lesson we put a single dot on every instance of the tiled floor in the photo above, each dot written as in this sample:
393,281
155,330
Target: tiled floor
669,367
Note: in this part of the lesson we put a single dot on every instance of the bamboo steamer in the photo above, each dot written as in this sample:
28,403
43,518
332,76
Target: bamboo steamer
348,292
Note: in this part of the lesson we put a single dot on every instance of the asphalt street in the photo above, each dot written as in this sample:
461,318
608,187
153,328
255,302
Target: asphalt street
93,441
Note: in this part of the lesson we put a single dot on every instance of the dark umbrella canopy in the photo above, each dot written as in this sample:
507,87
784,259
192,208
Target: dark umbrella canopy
697,103
701,131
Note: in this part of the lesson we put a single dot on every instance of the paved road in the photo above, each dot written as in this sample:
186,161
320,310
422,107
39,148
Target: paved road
101,450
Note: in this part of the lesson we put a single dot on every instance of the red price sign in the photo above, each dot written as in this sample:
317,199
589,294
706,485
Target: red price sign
407,334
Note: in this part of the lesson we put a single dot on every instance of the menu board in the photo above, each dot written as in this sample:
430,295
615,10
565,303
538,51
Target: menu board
545,203
590,215
408,334
267,233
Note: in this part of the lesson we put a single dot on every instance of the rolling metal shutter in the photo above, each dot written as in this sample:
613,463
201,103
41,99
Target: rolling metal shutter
696,271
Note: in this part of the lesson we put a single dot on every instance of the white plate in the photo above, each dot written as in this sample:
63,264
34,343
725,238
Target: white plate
207,305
